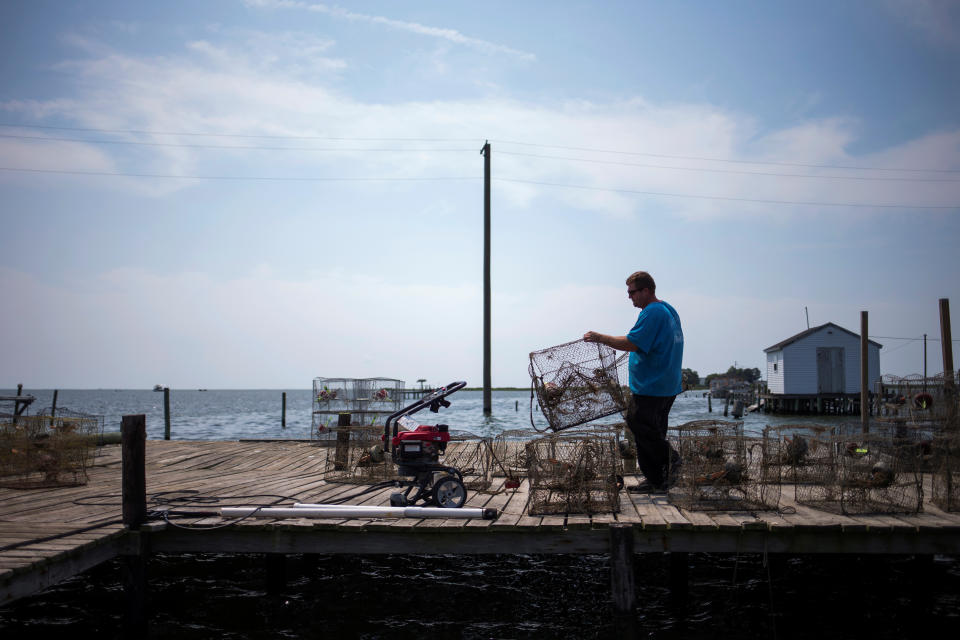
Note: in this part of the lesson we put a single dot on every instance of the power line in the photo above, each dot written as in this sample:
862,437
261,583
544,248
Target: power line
929,338
451,178
223,146
449,149
730,171
259,178
709,159
513,142
226,135
732,199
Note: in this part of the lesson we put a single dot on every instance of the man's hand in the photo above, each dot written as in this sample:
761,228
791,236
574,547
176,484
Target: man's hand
593,336
621,343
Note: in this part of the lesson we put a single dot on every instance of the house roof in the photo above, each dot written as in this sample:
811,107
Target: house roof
812,330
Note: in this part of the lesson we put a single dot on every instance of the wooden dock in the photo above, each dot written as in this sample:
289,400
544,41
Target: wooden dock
47,535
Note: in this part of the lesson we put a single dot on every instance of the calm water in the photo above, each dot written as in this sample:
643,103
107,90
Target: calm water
231,414
206,596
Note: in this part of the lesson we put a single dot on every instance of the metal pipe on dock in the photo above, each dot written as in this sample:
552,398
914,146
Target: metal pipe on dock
353,511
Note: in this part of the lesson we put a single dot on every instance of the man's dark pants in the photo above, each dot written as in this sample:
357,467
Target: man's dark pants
647,419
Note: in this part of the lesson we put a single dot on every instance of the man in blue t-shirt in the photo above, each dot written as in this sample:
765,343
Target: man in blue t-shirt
655,344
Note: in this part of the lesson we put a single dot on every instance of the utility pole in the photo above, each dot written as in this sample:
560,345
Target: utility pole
864,374
487,403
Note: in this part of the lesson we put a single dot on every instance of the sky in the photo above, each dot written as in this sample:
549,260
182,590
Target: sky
254,193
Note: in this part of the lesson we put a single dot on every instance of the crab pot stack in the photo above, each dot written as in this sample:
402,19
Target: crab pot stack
359,456
946,474
720,472
574,473
367,400
873,473
922,401
575,383
511,453
473,457
46,450
804,453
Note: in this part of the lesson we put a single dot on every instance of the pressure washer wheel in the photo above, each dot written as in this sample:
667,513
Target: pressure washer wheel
448,491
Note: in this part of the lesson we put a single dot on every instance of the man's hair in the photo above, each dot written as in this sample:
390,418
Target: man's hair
642,280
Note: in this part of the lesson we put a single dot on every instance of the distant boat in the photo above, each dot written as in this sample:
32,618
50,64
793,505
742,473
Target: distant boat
158,387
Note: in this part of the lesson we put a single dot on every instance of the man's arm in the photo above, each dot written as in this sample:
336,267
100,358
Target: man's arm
621,343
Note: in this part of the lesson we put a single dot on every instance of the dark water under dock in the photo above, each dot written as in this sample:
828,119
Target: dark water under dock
730,596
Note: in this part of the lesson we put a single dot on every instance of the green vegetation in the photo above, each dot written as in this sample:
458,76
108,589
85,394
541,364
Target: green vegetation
747,375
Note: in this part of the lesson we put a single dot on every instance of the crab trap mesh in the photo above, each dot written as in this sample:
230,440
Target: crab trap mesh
511,453
575,383
473,457
945,480
357,456
574,474
873,473
719,470
919,399
804,453
367,400
47,450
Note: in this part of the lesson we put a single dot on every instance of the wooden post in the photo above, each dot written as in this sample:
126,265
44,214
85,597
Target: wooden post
726,405
679,576
864,374
53,408
134,570
341,455
621,568
487,403
166,413
709,406
276,573
133,439
133,434
283,412
946,342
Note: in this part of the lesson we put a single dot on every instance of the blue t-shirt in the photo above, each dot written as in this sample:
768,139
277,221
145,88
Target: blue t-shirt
655,365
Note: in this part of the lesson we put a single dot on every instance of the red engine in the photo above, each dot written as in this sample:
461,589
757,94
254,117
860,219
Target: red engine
421,445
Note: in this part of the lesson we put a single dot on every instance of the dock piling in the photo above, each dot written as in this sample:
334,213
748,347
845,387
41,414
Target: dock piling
166,413
133,442
679,577
133,481
621,568
283,412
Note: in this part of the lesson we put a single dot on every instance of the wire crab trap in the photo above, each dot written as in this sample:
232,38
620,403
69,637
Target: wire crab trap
872,473
47,450
945,481
357,456
719,471
574,473
473,456
511,453
919,399
804,453
575,383
365,399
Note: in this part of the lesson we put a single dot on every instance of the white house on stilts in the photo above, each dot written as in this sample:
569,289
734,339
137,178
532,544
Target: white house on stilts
818,371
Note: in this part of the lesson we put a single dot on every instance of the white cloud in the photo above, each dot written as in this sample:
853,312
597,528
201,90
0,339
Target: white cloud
255,83
442,33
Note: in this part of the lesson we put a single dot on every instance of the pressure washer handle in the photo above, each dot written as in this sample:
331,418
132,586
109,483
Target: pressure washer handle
434,400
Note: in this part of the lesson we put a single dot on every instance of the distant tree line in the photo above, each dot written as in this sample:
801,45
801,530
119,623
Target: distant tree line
747,375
